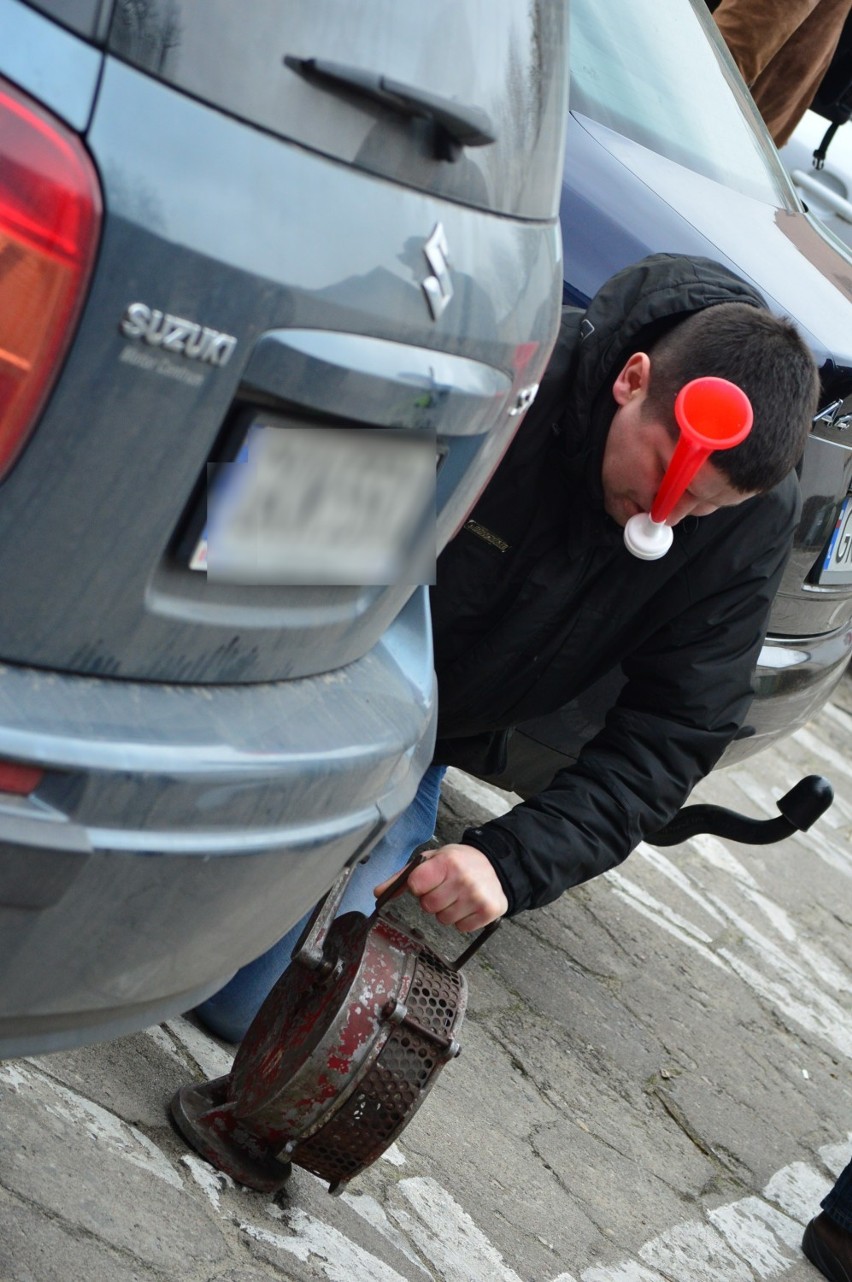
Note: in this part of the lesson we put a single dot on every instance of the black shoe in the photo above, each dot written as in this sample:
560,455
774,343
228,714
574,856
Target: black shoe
829,1247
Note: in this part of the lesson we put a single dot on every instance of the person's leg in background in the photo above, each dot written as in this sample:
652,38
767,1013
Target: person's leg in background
828,1238
786,87
229,1012
756,30
783,49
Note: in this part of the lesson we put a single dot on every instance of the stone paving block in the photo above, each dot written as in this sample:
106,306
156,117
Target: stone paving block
694,1252
617,1192
36,1249
477,1138
548,983
294,1243
132,1076
321,1232
78,1162
763,1236
569,925
249,1275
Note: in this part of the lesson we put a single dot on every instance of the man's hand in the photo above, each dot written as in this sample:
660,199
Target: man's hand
458,885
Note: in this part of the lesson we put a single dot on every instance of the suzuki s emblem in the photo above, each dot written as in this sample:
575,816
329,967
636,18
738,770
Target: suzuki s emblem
438,287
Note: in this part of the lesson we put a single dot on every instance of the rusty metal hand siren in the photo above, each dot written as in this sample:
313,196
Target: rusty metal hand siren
340,1055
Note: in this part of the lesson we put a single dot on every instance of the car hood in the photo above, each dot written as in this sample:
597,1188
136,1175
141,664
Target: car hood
797,269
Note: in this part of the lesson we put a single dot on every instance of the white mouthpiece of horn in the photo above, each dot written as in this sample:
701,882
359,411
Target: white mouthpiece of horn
646,538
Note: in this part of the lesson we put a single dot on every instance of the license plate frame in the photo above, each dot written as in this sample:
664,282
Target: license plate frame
836,569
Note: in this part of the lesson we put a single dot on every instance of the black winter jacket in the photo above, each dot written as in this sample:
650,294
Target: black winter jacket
537,597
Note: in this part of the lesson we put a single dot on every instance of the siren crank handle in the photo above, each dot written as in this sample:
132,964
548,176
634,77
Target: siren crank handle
399,882
310,948
485,933
800,808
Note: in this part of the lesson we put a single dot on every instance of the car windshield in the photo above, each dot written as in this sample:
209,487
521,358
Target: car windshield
646,69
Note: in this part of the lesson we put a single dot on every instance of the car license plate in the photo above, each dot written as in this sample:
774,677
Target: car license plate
322,505
837,566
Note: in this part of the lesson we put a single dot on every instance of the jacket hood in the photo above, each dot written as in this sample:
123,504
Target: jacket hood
629,314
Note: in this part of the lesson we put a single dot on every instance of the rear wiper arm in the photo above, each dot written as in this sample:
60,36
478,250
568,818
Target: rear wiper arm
456,125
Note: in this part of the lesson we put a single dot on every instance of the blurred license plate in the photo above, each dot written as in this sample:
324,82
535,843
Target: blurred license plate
321,505
837,566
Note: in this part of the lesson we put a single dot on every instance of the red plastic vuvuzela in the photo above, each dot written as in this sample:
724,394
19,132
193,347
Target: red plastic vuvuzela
711,414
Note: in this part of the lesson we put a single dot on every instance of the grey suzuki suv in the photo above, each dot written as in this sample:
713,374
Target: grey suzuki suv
331,232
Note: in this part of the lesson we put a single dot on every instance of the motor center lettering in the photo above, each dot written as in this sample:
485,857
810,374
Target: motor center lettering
177,334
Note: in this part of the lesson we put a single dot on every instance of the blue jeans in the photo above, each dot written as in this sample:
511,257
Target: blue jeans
229,1012
838,1203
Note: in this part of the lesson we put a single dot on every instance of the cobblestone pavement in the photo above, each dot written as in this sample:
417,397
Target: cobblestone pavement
654,1088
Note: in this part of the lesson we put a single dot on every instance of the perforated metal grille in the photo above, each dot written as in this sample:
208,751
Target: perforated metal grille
393,1087
433,999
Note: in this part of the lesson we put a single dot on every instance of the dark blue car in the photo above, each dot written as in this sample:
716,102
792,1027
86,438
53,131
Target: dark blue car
667,153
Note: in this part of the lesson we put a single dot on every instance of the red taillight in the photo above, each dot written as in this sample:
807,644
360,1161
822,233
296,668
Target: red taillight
50,211
21,780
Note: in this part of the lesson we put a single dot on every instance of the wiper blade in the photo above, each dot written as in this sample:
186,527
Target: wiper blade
457,124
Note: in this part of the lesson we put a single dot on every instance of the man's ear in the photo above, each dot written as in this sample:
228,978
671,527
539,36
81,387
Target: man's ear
633,379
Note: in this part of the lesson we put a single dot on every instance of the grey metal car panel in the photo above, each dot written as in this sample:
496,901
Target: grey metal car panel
89,18
177,234
213,754
383,382
804,605
507,70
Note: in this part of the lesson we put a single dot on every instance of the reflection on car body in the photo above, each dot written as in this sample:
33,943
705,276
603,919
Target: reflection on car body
827,191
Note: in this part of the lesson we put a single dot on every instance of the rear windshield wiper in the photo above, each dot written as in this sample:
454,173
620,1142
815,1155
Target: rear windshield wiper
456,124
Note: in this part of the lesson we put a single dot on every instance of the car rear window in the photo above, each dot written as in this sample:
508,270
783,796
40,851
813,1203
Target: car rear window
657,72
505,61
89,18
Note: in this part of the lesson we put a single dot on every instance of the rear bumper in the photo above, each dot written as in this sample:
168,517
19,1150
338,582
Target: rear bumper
180,830
793,679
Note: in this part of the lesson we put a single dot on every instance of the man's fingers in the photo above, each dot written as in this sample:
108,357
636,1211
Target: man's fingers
457,897
458,886
468,921
433,878
475,921
379,890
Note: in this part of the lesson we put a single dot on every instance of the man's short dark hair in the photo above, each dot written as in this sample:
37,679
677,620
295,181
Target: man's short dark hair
763,354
